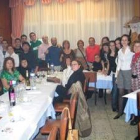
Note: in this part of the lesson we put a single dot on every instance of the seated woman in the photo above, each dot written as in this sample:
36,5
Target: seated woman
23,67
9,73
77,75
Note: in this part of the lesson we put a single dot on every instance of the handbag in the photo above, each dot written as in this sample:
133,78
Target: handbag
88,67
72,133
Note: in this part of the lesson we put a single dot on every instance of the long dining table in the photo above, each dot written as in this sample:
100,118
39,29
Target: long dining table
29,116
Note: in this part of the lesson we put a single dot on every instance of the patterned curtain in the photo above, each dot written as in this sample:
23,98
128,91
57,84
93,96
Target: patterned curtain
46,1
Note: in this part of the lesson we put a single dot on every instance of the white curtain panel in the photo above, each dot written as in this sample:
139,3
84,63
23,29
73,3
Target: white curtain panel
78,20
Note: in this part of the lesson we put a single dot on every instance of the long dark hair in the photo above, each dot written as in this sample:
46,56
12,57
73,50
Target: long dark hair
116,52
128,37
5,62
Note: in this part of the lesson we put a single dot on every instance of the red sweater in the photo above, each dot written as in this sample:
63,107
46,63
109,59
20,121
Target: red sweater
91,52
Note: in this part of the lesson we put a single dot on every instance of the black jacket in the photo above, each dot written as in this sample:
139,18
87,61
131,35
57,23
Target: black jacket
76,76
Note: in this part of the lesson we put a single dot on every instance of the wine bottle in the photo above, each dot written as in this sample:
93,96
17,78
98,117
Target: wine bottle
48,69
12,98
28,87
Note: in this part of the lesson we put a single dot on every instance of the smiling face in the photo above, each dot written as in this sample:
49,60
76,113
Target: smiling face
112,46
10,50
24,63
91,41
137,47
17,43
124,41
75,66
9,65
118,44
97,58
33,37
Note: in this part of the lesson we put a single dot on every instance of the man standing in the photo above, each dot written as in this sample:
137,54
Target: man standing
53,54
17,48
42,52
35,43
92,50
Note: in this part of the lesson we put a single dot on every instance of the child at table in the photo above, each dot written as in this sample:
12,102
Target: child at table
98,67
97,64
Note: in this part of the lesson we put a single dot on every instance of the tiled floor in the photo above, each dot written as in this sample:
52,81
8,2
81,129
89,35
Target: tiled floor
104,126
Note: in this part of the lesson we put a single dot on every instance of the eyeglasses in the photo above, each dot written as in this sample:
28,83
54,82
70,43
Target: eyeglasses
74,64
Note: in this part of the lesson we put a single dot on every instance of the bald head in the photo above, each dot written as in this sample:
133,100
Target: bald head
45,39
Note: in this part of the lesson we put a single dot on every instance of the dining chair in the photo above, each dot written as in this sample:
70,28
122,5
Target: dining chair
62,124
138,107
92,77
72,107
54,134
85,88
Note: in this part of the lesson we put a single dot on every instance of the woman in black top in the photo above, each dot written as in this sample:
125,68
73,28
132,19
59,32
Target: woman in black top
23,67
66,52
112,60
112,56
104,57
77,75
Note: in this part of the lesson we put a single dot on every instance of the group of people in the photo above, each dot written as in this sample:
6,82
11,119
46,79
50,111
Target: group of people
114,57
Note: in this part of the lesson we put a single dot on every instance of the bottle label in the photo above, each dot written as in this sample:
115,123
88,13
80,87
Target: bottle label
12,95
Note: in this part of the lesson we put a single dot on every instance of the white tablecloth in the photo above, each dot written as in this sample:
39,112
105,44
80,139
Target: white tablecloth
103,82
131,105
33,114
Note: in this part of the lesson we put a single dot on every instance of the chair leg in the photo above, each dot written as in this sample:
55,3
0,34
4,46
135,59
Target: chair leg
95,97
105,96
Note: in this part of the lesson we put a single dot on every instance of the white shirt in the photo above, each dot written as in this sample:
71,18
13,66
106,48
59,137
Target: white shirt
15,57
1,48
124,59
1,60
66,74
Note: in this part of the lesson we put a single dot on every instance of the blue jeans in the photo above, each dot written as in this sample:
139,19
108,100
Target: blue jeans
114,94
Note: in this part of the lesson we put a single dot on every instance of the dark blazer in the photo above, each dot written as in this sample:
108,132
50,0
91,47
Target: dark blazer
62,91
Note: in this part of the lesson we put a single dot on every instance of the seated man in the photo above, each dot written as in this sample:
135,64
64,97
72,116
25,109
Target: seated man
29,56
77,75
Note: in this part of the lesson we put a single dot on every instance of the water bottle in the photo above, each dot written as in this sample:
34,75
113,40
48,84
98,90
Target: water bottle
32,80
52,68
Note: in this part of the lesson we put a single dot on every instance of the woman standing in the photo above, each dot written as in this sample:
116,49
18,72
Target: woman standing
135,65
81,54
9,73
66,52
123,72
112,57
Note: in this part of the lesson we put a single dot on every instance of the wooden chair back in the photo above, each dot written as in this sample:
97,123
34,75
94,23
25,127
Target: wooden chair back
64,125
73,105
91,76
54,134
